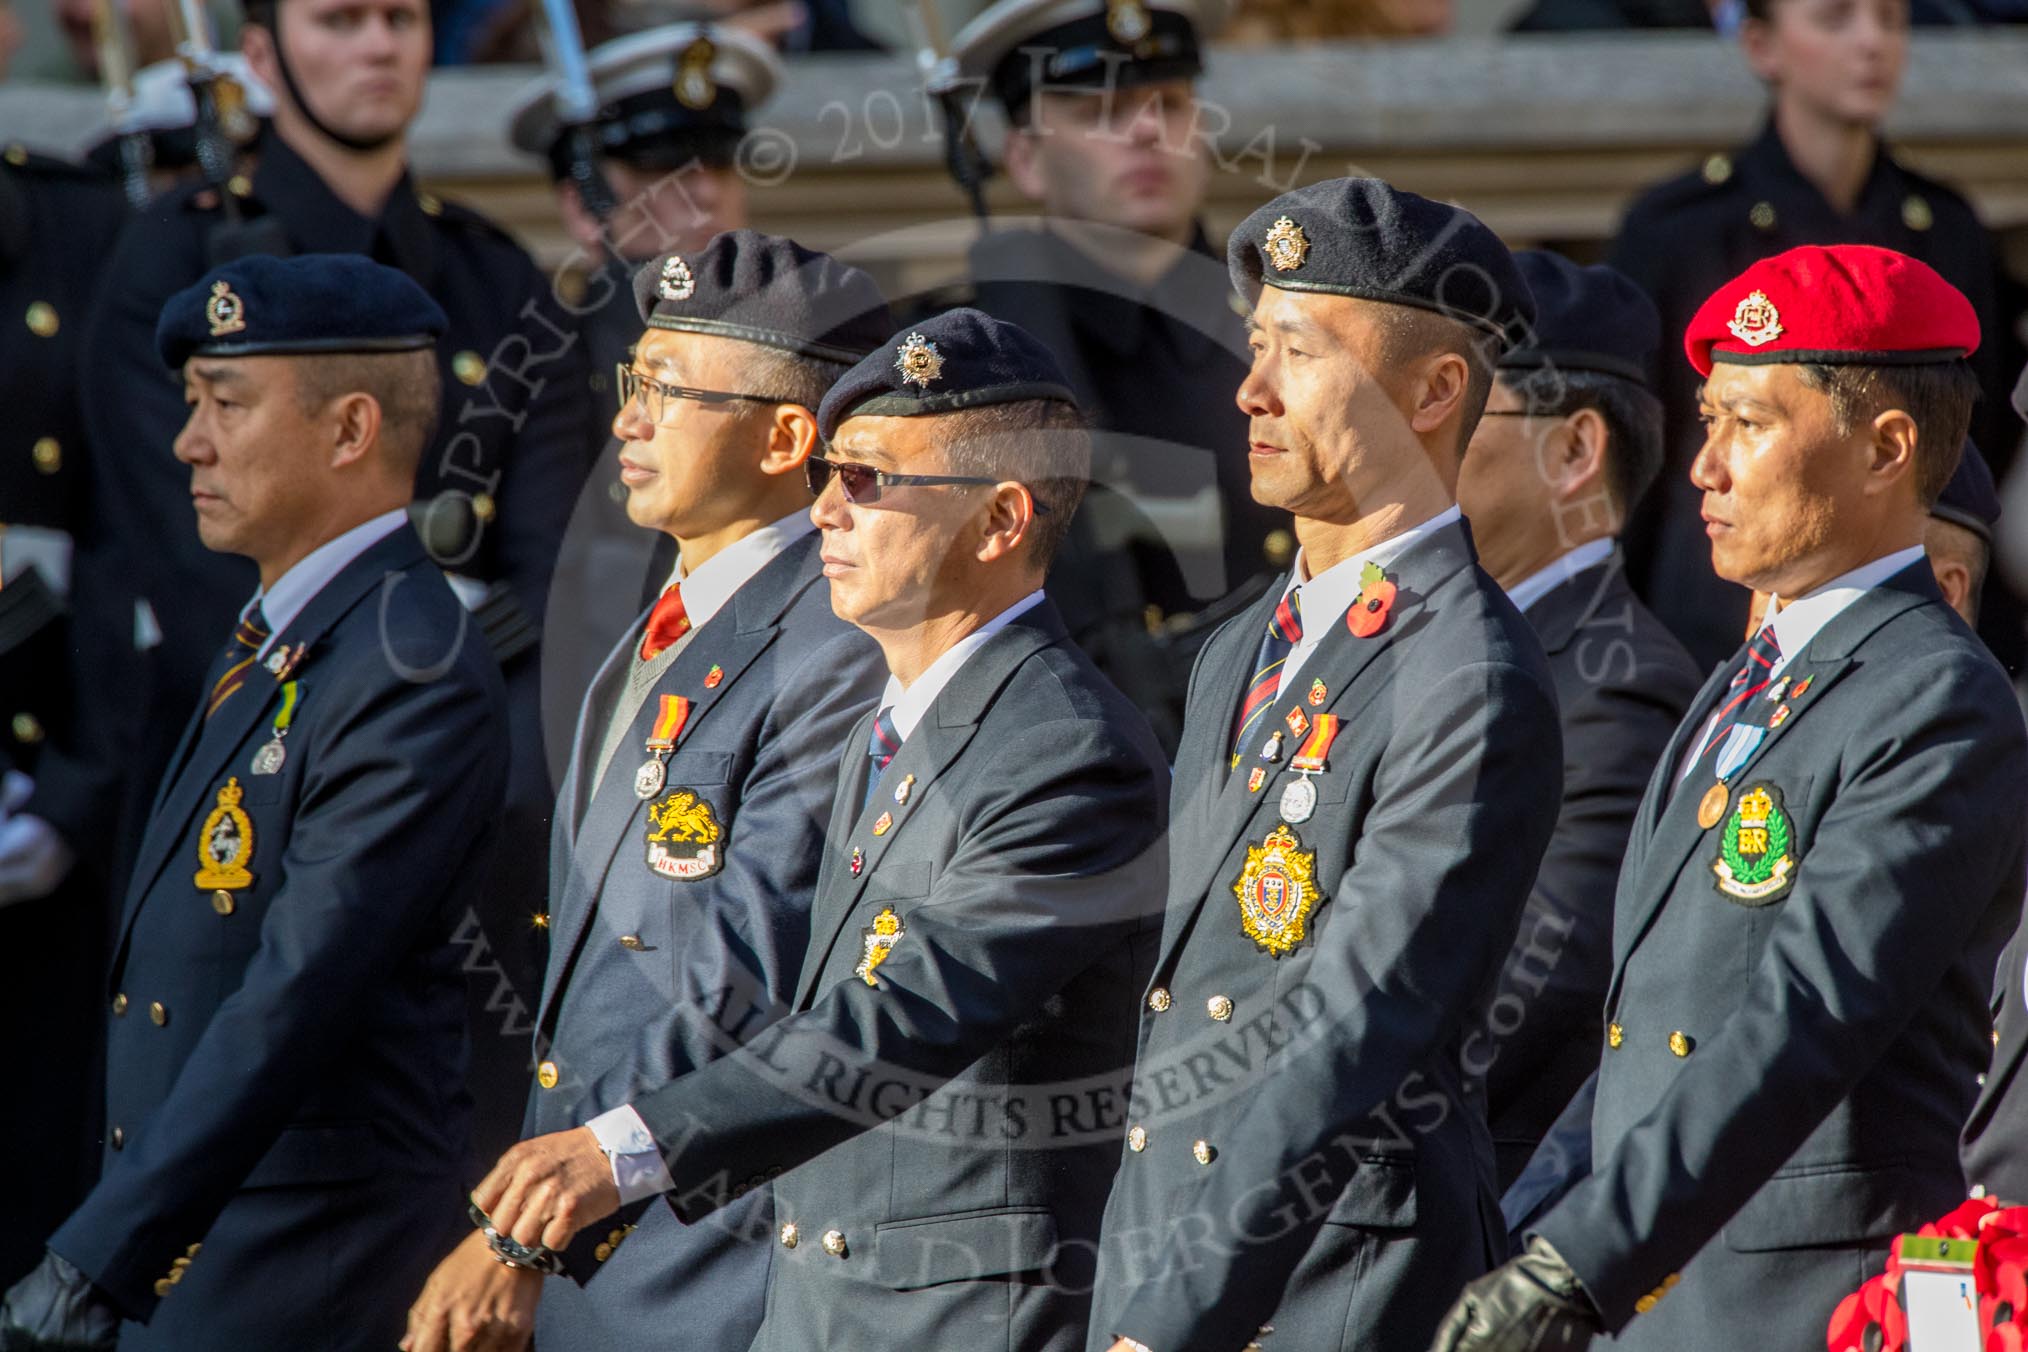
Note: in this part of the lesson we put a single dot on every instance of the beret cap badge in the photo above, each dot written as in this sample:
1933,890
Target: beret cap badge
677,283
1287,246
918,361
1756,322
1127,20
694,87
225,312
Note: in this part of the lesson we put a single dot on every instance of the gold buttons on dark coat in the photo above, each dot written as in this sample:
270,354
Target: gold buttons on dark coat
484,507
117,1138
158,1014
1916,213
632,942
834,1243
469,367
1202,1152
1615,1035
791,1236
1137,1139
27,728
1679,1043
222,902
1762,216
1158,999
1218,1007
119,1004
545,1075
41,319
47,454
1717,169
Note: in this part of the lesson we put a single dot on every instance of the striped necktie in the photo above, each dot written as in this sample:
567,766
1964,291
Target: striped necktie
240,652
1752,678
1284,632
880,749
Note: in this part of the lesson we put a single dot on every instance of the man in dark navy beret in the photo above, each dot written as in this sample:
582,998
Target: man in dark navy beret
285,1130
1959,538
1570,439
1825,865
697,789
1369,772
995,824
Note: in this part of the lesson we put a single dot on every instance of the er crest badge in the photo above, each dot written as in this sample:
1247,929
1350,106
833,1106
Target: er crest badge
1756,862
1277,889
684,843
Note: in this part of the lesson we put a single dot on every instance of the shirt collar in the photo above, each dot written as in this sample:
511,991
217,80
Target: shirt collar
1331,593
1798,621
706,591
1537,585
907,706
281,603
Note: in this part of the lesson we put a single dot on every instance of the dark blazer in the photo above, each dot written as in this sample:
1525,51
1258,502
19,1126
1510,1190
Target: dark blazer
1791,1072
285,1052
651,976
1301,1152
966,1000
1995,1142
1622,683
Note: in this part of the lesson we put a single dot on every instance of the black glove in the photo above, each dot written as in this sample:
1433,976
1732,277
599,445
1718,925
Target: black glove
57,1309
1532,1304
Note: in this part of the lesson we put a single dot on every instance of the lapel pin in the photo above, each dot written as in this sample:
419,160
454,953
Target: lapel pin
1318,693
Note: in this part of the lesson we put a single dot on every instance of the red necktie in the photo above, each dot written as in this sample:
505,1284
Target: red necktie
667,622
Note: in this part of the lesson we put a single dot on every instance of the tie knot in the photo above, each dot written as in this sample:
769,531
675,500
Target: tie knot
253,628
667,622
885,739
1765,647
1287,623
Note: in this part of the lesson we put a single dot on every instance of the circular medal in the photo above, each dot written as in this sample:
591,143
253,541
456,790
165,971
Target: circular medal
648,779
1712,805
1299,800
268,760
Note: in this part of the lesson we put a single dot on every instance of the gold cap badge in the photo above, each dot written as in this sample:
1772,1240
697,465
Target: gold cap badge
1287,246
225,310
918,361
676,283
1127,20
1756,322
694,86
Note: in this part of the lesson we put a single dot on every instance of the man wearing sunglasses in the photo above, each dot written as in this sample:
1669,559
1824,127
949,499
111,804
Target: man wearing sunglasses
943,1106
691,820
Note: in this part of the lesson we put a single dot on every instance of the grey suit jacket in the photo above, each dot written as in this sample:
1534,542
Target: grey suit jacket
1785,1072
1303,1154
1622,683
671,950
967,993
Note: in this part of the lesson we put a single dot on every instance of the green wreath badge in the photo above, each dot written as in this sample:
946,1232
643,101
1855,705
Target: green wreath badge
1756,865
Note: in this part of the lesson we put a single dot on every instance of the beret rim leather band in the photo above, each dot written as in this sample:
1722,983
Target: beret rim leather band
1933,356
1563,359
313,347
895,404
787,342
1479,322
1970,521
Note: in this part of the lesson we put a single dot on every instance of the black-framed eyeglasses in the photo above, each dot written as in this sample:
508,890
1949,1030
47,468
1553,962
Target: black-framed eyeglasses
862,484
655,396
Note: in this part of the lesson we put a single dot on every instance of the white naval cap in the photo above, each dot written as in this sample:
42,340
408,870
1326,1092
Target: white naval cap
1085,43
664,94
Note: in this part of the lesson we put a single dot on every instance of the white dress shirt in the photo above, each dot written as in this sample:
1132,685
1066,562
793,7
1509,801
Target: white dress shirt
1539,584
1328,595
907,704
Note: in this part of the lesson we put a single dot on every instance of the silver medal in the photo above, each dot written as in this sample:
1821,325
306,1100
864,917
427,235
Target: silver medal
1299,800
268,760
1272,752
649,778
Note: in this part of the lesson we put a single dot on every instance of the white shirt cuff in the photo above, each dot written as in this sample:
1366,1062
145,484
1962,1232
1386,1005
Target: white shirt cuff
638,1170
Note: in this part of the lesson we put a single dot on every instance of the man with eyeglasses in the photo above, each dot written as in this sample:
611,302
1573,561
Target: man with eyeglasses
943,1106
1571,440
691,821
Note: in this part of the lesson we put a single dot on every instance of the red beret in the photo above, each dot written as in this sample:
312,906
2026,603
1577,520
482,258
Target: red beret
1845,304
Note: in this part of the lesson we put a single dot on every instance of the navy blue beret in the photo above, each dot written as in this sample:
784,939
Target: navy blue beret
769,290
1368,239
957,360
264,306
1970,499
1586,319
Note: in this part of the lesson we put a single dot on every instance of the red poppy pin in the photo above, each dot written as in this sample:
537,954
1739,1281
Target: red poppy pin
1376,598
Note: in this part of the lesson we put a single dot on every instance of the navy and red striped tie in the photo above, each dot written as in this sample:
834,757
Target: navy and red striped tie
880,748
1752,678
1284,632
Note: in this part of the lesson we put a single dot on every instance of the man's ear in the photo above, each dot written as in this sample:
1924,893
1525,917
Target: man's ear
1439,391
1891,451
1009,520
1954,580
792,439
355,424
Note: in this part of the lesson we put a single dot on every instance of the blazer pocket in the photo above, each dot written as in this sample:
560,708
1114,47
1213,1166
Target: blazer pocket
1380,1195
1836,1204
326,1152
897,882
963,1247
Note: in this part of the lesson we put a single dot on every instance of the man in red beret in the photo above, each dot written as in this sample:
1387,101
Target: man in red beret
1824,868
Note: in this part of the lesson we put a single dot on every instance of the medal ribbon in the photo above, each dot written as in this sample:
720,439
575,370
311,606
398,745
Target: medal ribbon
669,723
288,713
1310,755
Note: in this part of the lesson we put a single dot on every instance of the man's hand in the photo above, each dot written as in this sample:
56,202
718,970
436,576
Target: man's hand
56,1306
33,859
473,1303
545,1190
1532,1304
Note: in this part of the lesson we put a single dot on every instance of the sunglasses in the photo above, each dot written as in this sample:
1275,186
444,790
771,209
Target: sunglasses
863,484
655,397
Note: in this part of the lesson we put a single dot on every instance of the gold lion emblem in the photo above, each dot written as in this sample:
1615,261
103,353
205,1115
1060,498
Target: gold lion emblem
1287,246
918,361
1277,889
684,842
1755,321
